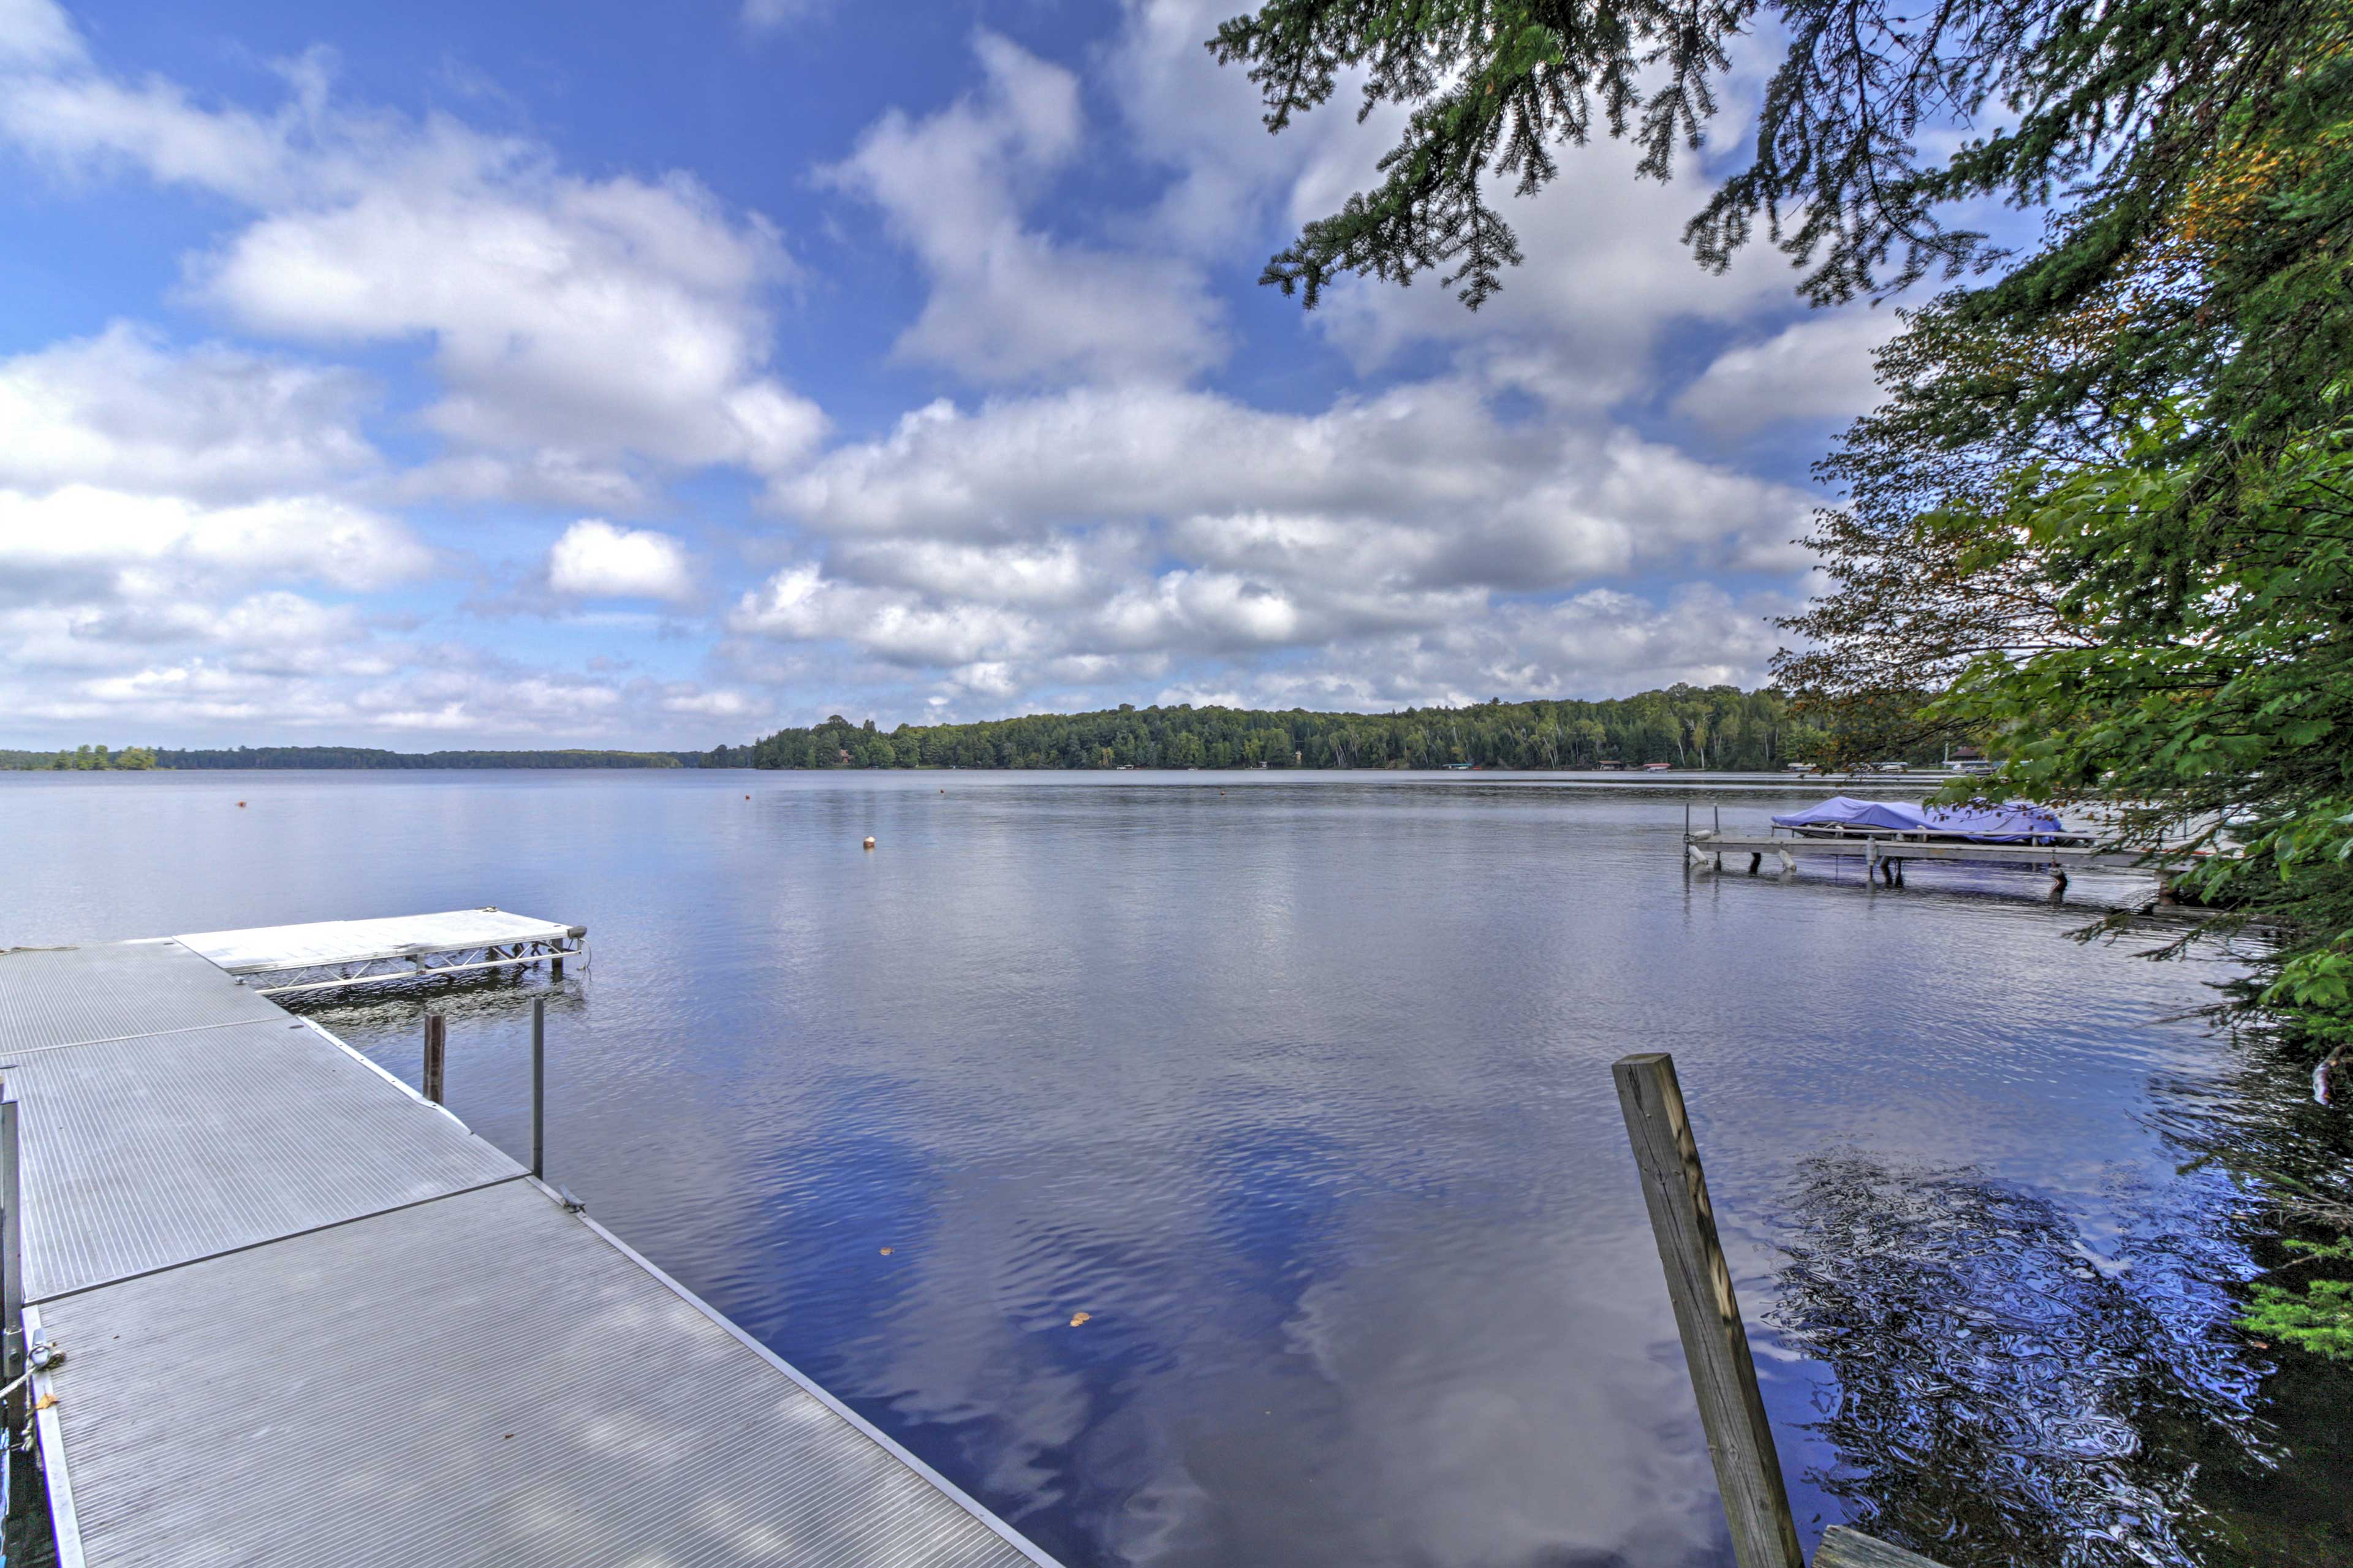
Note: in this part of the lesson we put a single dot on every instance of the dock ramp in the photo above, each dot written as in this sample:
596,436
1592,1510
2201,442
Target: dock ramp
308,1319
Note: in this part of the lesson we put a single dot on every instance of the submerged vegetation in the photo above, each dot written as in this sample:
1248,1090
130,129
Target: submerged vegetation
1688,726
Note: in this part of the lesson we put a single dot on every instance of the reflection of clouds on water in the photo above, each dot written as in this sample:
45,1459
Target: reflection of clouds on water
2004,1392
1299,1087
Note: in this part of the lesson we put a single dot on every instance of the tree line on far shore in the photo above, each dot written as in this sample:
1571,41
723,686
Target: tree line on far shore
1686,726
82,759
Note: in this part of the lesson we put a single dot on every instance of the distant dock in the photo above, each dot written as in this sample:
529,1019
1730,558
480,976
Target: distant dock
1884,854
281,1309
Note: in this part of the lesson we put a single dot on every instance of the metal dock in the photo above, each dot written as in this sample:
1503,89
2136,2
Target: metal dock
307,1317
335,953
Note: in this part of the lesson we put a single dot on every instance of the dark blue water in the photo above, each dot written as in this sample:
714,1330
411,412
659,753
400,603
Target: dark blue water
1297,1086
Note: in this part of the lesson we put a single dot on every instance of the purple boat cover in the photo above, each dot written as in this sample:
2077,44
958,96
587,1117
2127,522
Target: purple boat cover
2016,823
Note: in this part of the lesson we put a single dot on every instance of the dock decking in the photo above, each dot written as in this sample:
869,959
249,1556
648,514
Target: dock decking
363,952
308,1318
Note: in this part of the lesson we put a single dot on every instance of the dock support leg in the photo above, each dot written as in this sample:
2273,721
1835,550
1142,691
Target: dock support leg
556,968
1756,862
539,1086
437,1040
12,1265
1708,1314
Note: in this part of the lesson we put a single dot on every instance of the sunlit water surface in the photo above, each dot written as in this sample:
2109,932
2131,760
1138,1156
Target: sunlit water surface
1297,1086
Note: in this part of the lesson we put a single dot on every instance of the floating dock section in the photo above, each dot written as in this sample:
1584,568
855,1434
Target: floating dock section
286,1312
329,954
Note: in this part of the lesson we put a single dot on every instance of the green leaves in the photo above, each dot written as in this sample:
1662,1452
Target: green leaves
2318,1319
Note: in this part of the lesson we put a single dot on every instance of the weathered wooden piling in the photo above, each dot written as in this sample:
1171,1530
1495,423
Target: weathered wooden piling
437,1039
1715,1343
1708,1314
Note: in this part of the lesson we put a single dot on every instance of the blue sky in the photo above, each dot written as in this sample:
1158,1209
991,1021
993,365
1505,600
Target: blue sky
435,376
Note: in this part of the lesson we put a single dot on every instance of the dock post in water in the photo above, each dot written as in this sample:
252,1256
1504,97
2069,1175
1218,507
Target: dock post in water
1708,1314
12,1263
539,1086
437,1039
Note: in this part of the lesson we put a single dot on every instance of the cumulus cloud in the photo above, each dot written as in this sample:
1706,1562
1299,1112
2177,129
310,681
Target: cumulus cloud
608,317
593,559
577,324
211,534
1424,484
120,410
1817,370
135,546
1008,302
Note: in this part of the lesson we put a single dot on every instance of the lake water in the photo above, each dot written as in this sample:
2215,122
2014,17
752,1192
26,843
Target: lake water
1298,1085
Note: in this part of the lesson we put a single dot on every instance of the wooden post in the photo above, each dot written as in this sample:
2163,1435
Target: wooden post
539,1086
437,1037
1707,1315
12,1262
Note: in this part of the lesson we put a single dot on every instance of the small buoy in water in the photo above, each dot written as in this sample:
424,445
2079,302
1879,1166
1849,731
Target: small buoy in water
240,805
869,841
747,797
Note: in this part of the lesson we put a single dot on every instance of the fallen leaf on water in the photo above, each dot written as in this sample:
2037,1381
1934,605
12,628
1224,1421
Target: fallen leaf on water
45,1402
1078,1318
886,1252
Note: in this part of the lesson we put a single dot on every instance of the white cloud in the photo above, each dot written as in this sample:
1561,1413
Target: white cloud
1008,302
119,410
577,324
146,546
593,559
762,15
36,33
1425,484
721,704
580,317
1818,369
208,535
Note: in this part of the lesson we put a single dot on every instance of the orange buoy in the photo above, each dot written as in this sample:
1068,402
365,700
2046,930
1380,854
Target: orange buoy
240,805
869,841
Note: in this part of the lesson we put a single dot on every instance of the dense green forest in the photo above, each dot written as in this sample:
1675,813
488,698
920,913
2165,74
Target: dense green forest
1714,727
82,759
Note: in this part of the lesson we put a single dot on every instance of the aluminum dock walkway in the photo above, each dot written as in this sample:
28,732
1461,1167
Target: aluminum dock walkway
308,1318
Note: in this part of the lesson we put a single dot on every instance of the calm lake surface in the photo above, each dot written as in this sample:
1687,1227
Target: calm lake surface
1298,1085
